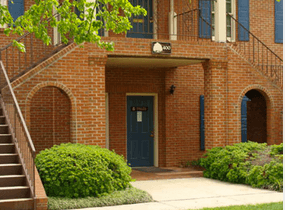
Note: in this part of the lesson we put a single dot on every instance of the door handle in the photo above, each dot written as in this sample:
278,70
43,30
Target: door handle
151,135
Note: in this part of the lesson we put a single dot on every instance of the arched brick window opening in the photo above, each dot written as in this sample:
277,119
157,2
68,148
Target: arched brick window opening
256,117
50,117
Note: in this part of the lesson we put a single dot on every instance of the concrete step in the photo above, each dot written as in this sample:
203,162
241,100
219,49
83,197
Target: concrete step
5,138
9,158
4,129
15,192
11,169
17,204
7,148
12,180
2,120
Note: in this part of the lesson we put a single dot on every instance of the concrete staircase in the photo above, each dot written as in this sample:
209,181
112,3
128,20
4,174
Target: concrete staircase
14,190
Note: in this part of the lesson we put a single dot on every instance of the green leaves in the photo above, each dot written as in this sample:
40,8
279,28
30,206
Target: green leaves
19,45
76,170
97,15
250,163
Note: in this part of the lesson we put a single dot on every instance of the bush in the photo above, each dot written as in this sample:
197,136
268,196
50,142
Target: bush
250,163
76,170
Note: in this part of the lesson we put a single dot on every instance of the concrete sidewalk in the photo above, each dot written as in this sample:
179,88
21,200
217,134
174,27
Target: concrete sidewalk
196,193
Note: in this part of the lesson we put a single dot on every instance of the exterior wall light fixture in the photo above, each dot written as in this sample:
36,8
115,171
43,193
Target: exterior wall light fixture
172,88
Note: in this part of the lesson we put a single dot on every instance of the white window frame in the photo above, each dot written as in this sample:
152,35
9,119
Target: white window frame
4,3
233,13
56,34
106,33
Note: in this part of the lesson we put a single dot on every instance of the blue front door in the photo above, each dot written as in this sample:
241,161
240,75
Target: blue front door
140,138
142,25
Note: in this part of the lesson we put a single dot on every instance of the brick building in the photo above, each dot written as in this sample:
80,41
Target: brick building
189,76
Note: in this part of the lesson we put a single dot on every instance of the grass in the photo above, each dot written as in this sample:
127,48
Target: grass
128,196
267,206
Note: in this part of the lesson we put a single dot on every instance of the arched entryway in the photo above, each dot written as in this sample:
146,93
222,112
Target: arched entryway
50,110
254,117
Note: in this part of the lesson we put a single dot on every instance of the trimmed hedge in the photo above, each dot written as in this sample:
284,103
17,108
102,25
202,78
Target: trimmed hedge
77,170
250,163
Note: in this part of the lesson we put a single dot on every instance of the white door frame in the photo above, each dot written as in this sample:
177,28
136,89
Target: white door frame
155,117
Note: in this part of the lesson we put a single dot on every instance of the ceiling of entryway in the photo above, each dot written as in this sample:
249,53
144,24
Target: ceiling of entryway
149,62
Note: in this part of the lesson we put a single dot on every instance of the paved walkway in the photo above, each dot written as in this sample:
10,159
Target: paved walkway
195,193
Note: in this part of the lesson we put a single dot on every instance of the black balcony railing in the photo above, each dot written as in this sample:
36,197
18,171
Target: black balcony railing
259,55
18,63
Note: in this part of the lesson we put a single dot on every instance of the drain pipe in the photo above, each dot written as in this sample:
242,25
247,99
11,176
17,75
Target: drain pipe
172,22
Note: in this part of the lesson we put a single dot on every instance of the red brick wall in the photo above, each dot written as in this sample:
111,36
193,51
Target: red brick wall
222,76
182,114
50,118
216,103
84,83
223,80
241,79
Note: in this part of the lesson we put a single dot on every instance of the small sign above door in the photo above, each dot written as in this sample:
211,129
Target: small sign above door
161,48
136,108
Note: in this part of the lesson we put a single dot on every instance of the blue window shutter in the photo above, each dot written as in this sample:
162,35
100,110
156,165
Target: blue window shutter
279,21
16,9
205,19
243,18
202,124
101,31
244,119
77,12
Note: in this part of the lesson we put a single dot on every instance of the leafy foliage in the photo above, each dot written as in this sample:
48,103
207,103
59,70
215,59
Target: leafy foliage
250,163
76,170
111,15
128,196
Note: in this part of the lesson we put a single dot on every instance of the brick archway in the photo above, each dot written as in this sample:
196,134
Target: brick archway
269,104
61,91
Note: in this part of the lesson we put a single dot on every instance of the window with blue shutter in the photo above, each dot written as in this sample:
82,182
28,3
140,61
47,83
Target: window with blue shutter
205,19
243,18
101,31
78,13
244,119
279,21
202,124
16,8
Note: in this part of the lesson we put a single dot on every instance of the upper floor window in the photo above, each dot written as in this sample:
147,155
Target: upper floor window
207,12
230,24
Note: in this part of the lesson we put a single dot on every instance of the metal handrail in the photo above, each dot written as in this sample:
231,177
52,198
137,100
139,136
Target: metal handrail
17,63
18,108
253,35
17,131
259,55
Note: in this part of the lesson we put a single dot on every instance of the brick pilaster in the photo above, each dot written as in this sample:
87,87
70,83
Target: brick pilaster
215,103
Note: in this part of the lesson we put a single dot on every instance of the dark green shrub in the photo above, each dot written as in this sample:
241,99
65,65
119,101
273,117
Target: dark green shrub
76,170
250,163
277,149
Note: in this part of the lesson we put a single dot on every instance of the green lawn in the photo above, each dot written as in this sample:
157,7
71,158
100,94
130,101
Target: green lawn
128,196
267,206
